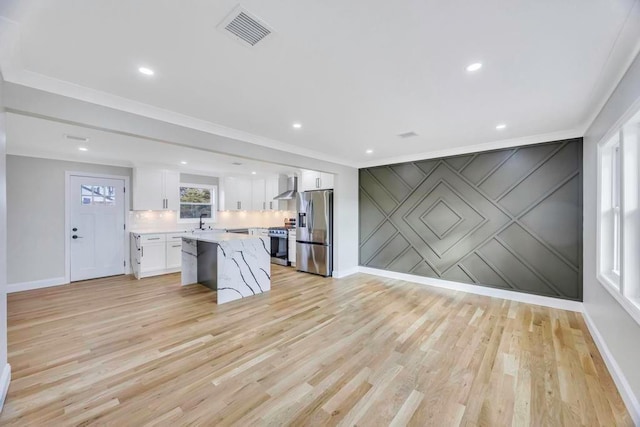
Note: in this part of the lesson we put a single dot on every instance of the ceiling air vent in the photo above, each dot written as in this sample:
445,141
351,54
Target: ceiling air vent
244,26
76,138
407,135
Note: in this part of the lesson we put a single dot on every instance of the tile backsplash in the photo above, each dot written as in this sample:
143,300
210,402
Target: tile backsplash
167,220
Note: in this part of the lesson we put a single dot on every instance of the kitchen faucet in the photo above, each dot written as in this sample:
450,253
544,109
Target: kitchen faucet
201,221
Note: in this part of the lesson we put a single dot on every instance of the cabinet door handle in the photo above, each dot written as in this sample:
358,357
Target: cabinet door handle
264,205
317,182
142,249
176,246
239,205
271,205
153,238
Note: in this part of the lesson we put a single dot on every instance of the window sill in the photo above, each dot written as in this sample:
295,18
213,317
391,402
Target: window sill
631,307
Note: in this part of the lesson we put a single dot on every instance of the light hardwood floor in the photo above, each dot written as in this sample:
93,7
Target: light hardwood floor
359,350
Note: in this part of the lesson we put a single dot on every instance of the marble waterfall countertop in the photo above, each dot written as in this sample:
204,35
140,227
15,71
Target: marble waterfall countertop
234,265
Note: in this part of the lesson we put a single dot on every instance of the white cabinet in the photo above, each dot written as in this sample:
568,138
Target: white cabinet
313,180
253,194
258,195
292,247
155,189
237,194
153,257
272,189
155,254
262,232
174,254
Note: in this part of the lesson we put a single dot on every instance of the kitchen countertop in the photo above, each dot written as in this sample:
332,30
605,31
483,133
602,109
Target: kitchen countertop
217,237
157,231
161,231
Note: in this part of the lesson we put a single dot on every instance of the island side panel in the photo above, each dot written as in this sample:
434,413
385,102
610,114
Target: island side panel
189,273
244,269
208,264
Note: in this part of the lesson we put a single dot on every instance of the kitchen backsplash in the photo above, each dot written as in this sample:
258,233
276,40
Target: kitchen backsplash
167,220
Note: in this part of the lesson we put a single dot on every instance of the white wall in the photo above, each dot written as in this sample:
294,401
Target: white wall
4,367
620,333
35,215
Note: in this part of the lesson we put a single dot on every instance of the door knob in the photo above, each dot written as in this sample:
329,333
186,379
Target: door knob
74,229
76,237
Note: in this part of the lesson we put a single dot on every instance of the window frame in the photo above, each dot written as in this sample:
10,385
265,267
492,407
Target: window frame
622,282
214,205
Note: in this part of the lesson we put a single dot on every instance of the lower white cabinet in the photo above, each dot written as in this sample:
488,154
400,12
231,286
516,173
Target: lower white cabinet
155,254
174,254
292,247
262,232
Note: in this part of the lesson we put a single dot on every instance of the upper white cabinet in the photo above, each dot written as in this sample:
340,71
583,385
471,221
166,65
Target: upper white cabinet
155,189
273,188
253,194
237,194
258,195
313,180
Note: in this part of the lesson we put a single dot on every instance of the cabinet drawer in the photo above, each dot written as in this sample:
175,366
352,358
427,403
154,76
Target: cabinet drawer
175,237
152,238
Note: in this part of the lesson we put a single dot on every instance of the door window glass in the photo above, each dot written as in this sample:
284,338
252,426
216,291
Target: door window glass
97,195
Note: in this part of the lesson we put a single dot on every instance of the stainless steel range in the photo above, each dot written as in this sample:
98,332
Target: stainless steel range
279,245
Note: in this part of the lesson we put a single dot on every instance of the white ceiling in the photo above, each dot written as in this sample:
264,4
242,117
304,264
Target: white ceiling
36,137
354,73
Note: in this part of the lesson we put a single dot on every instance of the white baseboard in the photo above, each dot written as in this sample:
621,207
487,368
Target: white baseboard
5,379
478,290
36,284
630,400
338,274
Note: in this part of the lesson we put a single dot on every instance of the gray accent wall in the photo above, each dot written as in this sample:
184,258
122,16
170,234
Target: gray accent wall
509,219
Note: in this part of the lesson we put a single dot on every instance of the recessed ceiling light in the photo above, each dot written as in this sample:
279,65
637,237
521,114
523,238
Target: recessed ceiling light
146,71
369,151
83,149
297,125
253,173
183,162
501,126
474,67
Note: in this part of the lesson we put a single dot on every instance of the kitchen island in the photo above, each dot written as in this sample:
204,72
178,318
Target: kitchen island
234,265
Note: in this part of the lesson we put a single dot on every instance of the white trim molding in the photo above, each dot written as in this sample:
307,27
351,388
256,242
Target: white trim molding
5,380
479,290
36,284
339,274
624,388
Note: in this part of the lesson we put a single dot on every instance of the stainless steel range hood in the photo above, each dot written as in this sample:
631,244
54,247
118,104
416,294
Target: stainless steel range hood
292,190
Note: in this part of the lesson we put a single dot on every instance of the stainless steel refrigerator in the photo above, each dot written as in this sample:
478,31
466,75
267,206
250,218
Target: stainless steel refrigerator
314,234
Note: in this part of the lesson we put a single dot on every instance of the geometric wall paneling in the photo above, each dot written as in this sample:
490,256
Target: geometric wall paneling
508,218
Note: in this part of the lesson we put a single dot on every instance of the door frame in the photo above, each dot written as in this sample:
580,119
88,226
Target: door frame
67,213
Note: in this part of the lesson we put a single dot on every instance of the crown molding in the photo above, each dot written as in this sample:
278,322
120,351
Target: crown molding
475,148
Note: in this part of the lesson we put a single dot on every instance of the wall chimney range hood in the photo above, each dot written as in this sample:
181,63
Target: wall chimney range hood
292,190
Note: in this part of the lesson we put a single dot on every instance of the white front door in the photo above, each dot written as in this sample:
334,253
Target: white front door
96,227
